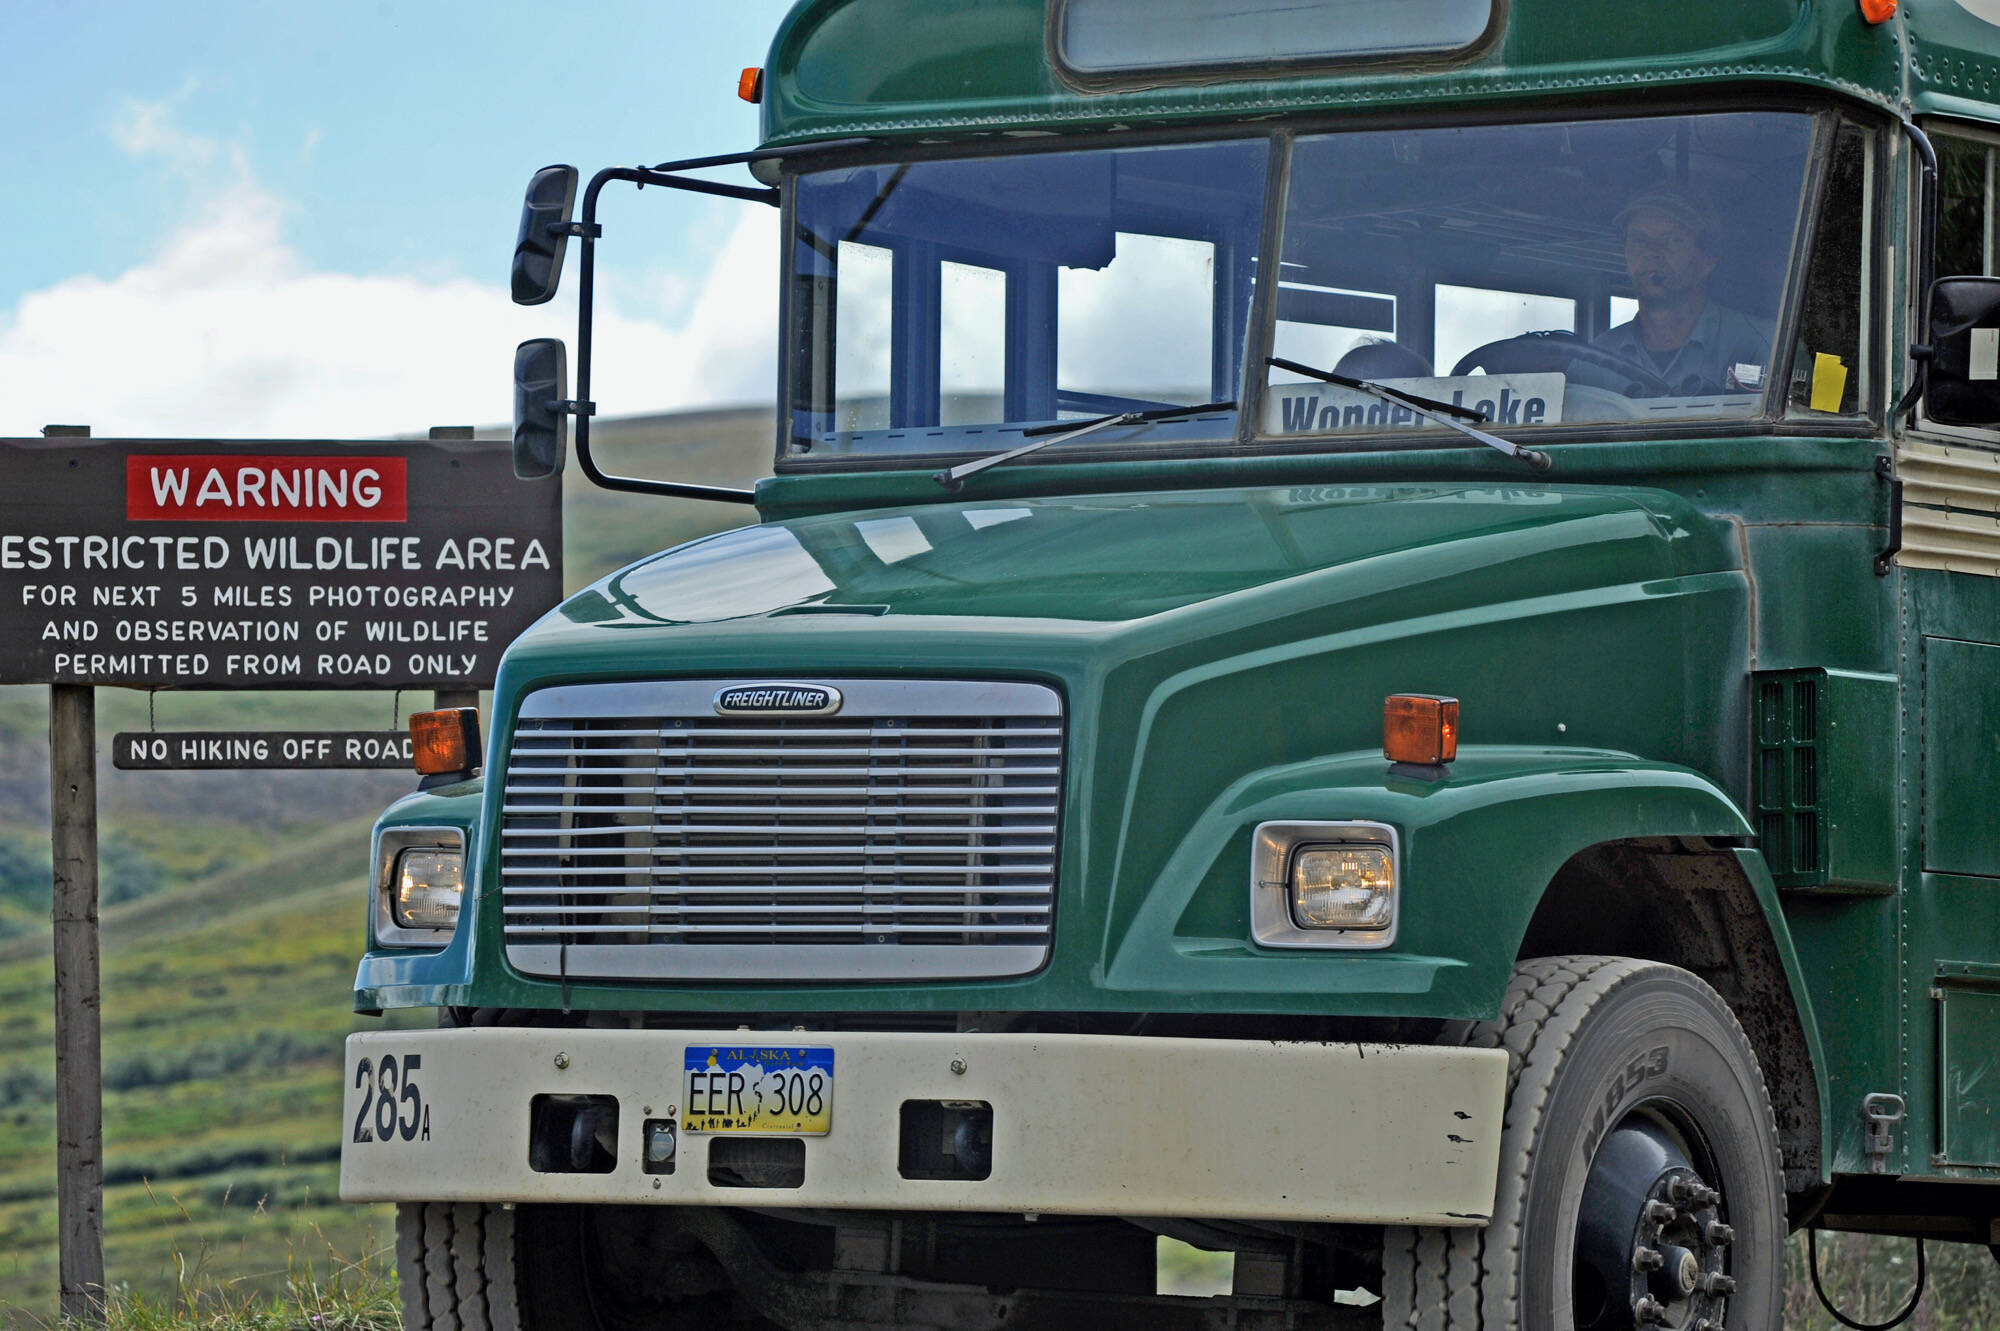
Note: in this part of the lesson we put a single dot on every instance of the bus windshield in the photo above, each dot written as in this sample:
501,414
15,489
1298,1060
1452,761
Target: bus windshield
940,305
1595,271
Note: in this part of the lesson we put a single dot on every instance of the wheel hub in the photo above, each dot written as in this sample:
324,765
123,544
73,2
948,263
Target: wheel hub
1652,1247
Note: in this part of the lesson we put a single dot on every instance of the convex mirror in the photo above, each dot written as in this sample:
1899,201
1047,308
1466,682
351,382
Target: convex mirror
538,251
1963,385
541,416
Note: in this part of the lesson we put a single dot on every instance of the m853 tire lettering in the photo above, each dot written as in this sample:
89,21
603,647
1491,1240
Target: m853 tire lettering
392,1105
1653,1063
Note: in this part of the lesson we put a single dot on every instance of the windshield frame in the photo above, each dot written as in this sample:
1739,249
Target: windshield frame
1249,439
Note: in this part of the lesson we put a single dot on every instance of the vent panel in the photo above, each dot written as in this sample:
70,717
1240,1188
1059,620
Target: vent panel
1951,508
1791,813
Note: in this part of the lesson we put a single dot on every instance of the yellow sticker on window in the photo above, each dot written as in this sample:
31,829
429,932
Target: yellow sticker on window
1829,382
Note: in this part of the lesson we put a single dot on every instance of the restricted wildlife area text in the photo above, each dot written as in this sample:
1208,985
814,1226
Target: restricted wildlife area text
209,564
278,553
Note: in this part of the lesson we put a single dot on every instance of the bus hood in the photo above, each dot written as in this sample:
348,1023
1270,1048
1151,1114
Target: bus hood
1099,566
1204,647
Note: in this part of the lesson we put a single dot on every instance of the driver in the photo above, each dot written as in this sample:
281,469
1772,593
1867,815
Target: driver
1696,345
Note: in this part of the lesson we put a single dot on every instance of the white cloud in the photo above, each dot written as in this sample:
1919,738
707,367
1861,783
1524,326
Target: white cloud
226,330
147,129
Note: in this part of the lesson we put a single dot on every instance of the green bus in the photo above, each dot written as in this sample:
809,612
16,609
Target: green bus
1373,644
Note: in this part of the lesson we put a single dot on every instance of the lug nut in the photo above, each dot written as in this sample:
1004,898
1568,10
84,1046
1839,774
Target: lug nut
1718,1234
1692,1193
1648,1311
1660,1212
1647,1259
1717,1283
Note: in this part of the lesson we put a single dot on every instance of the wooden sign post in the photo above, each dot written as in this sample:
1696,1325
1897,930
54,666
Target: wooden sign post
79,1028
79,1043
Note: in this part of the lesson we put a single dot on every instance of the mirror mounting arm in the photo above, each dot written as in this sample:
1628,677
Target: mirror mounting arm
582,407
1927,213
540,364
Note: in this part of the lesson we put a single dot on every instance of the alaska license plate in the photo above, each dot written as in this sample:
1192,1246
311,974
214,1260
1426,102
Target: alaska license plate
758,1088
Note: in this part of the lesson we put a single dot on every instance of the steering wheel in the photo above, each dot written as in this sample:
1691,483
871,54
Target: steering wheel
1555,350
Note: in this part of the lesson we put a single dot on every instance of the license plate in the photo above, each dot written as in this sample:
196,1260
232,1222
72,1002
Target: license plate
758,1088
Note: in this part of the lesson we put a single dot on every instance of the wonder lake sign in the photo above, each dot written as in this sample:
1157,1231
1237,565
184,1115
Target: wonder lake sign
202,564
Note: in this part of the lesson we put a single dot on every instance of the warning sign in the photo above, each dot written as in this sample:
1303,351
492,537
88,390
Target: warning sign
202,564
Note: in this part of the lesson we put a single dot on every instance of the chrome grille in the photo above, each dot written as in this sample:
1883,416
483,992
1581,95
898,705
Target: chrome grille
910,836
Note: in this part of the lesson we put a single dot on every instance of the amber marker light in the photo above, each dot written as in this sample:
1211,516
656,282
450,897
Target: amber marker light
446,742
750,83
1878,11
1419,728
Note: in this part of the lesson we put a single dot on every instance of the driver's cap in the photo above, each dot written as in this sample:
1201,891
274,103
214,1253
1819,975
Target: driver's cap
1691,211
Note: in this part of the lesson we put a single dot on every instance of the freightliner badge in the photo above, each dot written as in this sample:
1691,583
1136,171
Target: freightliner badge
203,564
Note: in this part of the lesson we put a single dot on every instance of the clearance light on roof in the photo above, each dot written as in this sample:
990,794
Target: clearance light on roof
1878,11
1419,728
445,743
750,83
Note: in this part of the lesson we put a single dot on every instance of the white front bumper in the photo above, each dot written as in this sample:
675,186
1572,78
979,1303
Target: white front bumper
1082,1124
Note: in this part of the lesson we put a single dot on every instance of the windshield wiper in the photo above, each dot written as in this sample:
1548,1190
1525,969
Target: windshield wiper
1429,408
953,478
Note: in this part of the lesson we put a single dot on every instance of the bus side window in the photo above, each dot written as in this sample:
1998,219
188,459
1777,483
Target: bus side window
1965,207
1469,317
972,343
1964,245
1835,316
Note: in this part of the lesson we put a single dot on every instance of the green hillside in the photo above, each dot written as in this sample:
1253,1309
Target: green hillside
224,1012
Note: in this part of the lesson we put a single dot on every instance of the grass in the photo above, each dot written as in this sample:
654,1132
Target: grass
223,1024
1870,1279
323,1289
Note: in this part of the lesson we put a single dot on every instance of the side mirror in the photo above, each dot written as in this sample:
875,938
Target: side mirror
1963,385
538,252
541,425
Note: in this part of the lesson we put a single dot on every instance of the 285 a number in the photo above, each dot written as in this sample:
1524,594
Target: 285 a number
391,1104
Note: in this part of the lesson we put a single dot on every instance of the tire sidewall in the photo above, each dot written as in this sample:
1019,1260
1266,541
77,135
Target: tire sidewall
1661,1039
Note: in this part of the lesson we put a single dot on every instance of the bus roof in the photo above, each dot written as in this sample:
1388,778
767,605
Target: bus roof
929,68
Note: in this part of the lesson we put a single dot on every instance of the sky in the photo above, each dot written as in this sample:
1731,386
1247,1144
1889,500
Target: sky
257,220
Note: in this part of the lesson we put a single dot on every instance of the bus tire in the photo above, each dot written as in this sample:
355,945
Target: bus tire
1638,1162
455,1263
474,1266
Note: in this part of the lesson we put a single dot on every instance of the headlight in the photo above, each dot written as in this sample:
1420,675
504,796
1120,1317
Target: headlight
427,888
1331,885
419,884
1343,887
